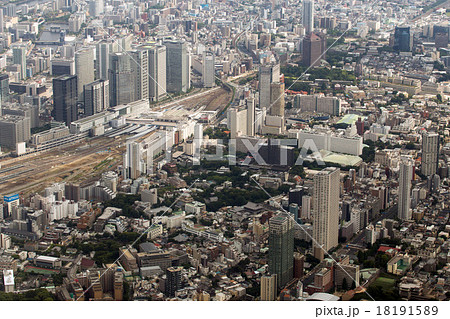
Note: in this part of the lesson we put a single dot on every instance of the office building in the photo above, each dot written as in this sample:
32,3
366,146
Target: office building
281,248
326,208
251,116
314,46
157,72
403,39
96,97
84,69
266,76
316,103
177,66
139,69
269,288
308,16
121,79
96,7
430,153
4,88
277,102
65,99
62,66
103,51
404,188
173,281
208,71
14,129
20,58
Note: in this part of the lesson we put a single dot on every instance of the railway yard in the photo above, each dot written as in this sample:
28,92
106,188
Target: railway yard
79,163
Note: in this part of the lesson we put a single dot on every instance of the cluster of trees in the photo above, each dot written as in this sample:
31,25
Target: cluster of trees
293,72
40,294
126,203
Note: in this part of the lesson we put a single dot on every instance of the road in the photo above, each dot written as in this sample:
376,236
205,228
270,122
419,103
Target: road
357,240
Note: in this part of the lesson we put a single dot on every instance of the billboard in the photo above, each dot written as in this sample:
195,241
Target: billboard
10,198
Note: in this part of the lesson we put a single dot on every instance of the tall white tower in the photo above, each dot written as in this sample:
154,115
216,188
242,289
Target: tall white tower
404,188
430,153
326,208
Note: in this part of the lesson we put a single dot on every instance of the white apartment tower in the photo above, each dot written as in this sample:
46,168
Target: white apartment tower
430,153
404,188
326,208
208,74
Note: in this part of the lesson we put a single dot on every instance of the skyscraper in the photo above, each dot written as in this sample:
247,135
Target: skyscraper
173,282
65,99
277,102
95,7
121,79
2,28
314,45
269,287
84,69
281,248
267,75
208,72
177,66
96,97
251,116
308,16
157,71
139,70
104,49
4,88
404,188
326,208
430,153
20,58
403,39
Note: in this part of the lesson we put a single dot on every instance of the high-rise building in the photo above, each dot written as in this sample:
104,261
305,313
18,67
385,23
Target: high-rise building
157,72
281,248
84,69
404,188
20,58
277,102
96,7
326,208
103,51
4,88
269,287
314,46
403,39
2,28
308,16
121,79
173,282
96,97
208,71
267,75
14,129
251,116
65,99
430,153
139,69
177,66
